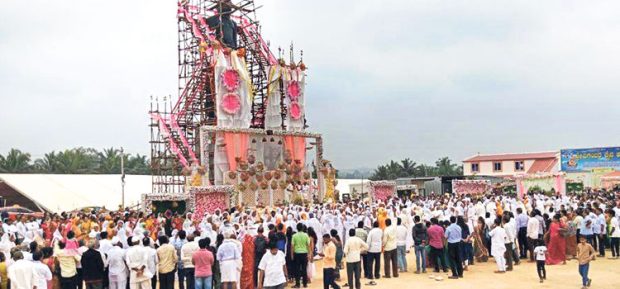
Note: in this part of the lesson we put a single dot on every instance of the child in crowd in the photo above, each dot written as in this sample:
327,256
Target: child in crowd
541,256
585,254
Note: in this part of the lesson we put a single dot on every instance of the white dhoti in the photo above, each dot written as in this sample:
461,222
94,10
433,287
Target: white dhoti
229,270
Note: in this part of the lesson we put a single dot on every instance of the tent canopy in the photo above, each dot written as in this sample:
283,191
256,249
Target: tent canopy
57,193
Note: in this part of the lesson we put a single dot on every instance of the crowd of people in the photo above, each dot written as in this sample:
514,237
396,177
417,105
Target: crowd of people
247,248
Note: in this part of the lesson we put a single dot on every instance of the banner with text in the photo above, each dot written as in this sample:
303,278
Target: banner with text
585,160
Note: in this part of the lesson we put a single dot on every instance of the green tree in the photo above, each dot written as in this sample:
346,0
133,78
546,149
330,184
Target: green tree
445,167
50,163
15,162
109,161
78,161
137,165
409,168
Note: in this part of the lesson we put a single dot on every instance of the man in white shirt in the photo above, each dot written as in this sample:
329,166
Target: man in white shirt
117,268
401,245
510,237
187,250
352,250
104,244
136,259
42,272
375,245
22,273
389,250
532,235
152,260
601,223
614,234
272,269
498,247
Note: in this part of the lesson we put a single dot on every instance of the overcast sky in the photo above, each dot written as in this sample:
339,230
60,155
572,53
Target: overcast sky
387,79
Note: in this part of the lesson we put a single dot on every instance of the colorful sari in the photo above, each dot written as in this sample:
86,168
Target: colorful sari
247,270
480,249
557,245
571,239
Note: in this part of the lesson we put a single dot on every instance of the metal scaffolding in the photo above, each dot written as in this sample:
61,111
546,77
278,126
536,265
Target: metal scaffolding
176,121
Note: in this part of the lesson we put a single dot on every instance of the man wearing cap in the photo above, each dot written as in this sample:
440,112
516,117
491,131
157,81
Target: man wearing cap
137,261
117,274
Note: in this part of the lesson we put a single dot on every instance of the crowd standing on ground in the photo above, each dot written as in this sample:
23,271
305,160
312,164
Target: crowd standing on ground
269,247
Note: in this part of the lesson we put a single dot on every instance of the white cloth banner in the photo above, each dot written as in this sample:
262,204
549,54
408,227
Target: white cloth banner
242,115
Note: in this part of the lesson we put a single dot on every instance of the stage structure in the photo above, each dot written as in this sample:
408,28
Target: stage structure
239,119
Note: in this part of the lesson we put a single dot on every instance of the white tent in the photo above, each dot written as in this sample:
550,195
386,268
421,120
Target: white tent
345,185
56,193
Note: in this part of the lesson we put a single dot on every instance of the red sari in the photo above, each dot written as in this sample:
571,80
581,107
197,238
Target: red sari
557,245
247,270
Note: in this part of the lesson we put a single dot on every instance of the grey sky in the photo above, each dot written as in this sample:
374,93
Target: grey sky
387,79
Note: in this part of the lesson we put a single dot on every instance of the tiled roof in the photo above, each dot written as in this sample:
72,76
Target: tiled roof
542,166
512,157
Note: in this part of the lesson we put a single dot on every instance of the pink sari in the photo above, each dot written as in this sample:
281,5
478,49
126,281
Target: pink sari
557,245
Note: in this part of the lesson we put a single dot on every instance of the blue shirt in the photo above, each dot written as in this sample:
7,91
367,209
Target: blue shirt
453,233
522,221
178,244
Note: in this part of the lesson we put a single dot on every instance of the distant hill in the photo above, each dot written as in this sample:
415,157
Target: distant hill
357,173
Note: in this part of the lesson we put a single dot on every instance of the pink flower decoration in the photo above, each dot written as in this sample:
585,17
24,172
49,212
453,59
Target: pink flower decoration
293,90
383,192
230,79
208,203
231,103
295,110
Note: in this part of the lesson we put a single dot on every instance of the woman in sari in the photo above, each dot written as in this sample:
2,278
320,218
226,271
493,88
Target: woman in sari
557,243
247,270
571,235
480,249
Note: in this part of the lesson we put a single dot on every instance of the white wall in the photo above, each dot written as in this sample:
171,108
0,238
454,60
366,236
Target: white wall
486,168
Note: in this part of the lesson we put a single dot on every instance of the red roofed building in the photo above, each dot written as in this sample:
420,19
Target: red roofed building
502,165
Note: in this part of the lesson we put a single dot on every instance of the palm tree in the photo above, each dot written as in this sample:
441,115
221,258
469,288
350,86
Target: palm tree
395,170
445,167
50,163
380,173
138,165
408,168
109,161
15,162
426,171
78,161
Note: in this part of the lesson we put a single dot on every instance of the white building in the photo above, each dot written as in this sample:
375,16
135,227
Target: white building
502,165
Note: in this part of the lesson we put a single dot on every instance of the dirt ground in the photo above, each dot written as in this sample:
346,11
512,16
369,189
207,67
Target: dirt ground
605,274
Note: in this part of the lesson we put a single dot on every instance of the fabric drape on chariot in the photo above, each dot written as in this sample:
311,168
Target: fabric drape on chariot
273,113
297,146
238,115
237,145
294,77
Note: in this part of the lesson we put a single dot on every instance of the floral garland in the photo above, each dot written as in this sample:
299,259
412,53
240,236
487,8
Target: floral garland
190,196
539,176
230,79
382,190
210,198
257,131
148,199
473,187
293,90
231,103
